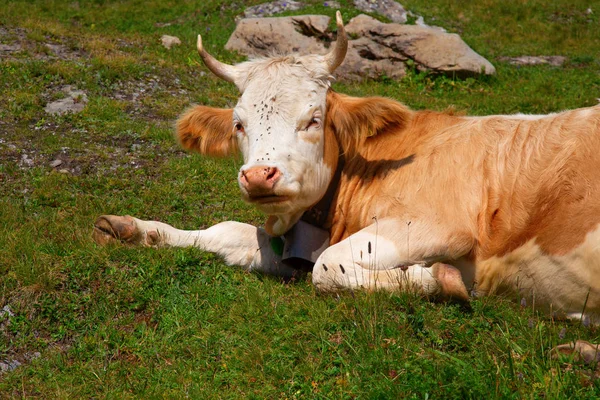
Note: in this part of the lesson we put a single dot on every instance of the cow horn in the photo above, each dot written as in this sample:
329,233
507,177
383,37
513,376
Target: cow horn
222,70
336,56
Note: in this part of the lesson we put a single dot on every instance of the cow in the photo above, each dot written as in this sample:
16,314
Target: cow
378,196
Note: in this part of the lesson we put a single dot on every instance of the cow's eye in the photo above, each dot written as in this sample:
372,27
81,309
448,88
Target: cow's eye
238,127
315,122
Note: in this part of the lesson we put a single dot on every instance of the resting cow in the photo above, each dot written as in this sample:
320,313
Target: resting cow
409,199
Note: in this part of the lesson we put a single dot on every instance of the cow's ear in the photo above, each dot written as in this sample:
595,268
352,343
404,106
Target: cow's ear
208,131
354,119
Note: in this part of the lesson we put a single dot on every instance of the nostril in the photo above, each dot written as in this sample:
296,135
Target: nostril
272,173
243,176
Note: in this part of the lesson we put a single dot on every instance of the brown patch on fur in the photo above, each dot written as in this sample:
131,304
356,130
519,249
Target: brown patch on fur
208,131
545,183
355,119
349,123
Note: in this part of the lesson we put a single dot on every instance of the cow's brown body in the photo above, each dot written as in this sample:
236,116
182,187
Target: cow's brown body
517,196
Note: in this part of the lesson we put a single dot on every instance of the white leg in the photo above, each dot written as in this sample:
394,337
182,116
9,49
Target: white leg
238,243
378,257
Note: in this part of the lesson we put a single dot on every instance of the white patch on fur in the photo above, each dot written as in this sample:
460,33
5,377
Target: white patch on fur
370,261
567,285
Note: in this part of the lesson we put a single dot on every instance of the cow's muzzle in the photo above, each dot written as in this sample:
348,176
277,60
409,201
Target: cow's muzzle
259,182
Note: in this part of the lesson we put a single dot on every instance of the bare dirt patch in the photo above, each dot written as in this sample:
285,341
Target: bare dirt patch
15,45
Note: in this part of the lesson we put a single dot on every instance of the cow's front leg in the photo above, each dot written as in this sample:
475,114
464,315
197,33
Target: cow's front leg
237,243
378,257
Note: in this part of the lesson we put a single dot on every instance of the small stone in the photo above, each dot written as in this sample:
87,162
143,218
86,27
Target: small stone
14,364
32,355
388,8
26,161
74,102
169,41
9,365
57,49
274,7
136,147
6,310
55,163
555,61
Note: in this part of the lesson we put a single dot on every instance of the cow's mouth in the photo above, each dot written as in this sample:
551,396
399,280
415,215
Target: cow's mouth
268,199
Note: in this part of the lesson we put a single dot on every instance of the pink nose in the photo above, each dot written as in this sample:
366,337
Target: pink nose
259,181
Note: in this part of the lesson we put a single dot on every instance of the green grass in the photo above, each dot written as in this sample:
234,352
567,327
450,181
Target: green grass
127,323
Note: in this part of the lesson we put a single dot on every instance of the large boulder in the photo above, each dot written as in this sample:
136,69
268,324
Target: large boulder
283,35
430,48
368,59
376,49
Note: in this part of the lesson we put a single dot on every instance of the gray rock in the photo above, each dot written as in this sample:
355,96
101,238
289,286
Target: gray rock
430,48
556,61
55,163
379,49
169,41
9,365
57,49
274,7
6,311
365,58
74,102
284,35
32,355
388,8
26,161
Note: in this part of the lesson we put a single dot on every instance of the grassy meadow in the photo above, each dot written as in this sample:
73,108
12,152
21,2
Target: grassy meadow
117,322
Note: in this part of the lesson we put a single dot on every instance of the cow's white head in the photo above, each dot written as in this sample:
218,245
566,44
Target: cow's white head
279,125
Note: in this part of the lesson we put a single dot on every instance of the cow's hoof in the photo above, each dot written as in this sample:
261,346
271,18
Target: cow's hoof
452,286
116,229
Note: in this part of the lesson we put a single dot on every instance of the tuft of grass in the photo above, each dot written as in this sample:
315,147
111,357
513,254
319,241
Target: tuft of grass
126,322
